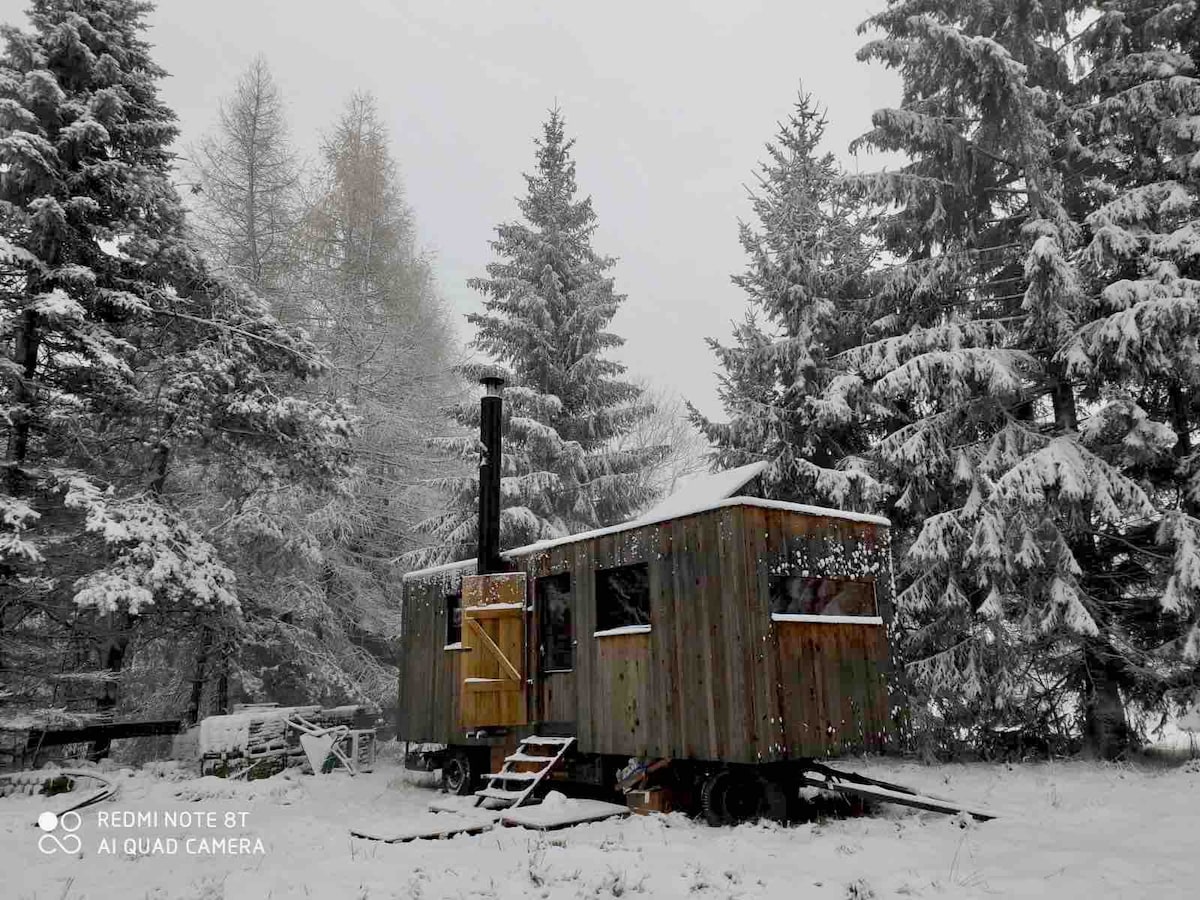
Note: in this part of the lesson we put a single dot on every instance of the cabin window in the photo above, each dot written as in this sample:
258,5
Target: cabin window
557,630
623,598
454,620
801,595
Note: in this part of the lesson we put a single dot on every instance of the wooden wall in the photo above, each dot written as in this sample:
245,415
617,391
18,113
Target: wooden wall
429,674
715,678
832,694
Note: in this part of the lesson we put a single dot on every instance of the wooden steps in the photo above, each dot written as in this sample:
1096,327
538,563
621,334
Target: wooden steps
513,776
491,793
524,757
500,783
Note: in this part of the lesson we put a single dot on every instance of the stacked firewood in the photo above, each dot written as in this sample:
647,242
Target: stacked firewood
256,740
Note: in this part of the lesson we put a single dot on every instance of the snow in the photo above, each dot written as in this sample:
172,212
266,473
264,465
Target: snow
429,826
438,570
1068,830
490,606
227,734
558,811
702,489
231,733
624,629
828,620
58,304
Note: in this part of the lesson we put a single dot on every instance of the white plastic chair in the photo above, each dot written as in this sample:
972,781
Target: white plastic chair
318,743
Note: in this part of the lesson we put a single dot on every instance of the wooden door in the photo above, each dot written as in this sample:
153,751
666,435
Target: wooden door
493,659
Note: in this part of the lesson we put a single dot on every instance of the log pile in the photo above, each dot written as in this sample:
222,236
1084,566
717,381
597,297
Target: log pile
256,741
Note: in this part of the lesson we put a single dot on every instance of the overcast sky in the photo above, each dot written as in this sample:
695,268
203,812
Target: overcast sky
670,104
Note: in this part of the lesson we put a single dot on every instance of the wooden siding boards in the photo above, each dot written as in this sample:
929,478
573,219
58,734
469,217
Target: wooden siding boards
715,678
830,677
429,674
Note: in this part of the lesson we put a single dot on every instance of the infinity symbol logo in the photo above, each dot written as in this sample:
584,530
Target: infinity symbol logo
70,823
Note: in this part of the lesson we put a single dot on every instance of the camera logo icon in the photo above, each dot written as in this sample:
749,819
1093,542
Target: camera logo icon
68,823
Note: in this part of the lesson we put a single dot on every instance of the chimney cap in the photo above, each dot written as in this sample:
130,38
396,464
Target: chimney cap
492,384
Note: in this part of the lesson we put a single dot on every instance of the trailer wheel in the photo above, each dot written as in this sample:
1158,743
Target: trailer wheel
728,797
458,775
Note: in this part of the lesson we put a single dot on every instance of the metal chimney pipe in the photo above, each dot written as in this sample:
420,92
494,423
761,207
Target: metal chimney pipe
490,464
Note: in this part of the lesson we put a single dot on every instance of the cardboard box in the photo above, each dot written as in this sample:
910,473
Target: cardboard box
649,800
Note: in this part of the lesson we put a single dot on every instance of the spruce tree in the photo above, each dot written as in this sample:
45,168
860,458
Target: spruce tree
787,398
1014,605
548,301
1137,359
126,362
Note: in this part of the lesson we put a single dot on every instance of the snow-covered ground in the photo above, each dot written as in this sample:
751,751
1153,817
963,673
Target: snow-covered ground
1069,830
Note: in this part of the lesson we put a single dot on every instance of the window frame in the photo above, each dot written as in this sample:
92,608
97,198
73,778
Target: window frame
453,602
539,600
871,618
629,627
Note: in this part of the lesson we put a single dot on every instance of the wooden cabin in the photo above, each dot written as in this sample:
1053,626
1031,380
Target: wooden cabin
746,631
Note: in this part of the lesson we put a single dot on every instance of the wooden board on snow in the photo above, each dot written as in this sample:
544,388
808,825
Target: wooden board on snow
466,806
903,797
562,814
425,828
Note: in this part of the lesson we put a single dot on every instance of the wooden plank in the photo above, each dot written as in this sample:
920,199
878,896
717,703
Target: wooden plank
846,783
681,589
665,695
738,697
433,826
558,697
495,611
487,687
711,620
771,551
114,731
582,563
486,643
499,587
548,816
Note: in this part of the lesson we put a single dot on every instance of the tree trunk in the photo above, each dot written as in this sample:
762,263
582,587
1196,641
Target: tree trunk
25,354
1182,424
112,658
200,678
1106,733
223,675
223,689
1062,396
162,454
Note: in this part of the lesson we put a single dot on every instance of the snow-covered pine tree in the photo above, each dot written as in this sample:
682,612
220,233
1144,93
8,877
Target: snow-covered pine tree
787,398
1018,521
1136,359
548,302
124,361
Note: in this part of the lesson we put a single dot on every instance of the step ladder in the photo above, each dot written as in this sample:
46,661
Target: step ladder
514,787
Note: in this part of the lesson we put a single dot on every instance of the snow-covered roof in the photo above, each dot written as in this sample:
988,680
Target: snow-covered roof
708,487
540,546
436,570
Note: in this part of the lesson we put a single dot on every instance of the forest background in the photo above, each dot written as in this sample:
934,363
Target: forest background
236,409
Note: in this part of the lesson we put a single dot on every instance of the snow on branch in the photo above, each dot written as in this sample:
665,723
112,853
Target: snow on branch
156,557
